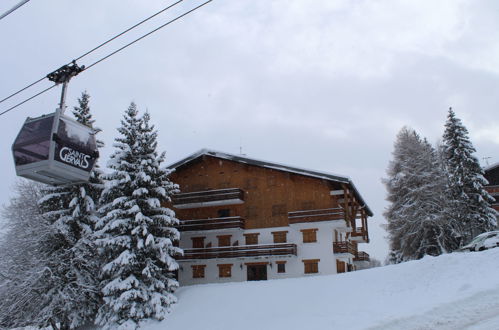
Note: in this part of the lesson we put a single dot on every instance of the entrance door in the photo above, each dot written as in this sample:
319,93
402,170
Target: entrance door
340,266
257,272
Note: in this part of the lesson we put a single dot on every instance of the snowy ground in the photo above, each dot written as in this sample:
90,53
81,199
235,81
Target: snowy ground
455,291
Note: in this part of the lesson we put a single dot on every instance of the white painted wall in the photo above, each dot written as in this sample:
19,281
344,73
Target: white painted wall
322,249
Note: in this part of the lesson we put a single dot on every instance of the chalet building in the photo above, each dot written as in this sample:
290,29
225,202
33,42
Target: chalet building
492,175
245,219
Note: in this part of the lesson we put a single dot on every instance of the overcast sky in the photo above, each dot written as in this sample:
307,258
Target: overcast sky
322,84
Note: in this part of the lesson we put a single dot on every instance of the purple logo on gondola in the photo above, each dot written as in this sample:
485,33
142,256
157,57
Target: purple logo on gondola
74,157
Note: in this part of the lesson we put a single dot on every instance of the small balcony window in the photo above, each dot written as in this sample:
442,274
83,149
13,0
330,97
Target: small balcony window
309,235
224,213
281,266
224,270
198,271
280,236
311,266
224,240
198,242
251,239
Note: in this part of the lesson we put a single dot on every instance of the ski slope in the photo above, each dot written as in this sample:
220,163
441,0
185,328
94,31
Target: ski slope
454,291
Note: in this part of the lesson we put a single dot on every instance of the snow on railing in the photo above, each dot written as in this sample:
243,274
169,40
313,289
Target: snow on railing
361,256
209,197
344,247
241,251
316,215
211,224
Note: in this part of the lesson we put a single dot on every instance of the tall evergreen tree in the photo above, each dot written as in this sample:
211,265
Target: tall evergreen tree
471,202
416,221
71,295
21,262
136,232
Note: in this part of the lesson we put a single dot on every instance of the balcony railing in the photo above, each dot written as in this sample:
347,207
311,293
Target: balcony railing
316,215
212,224
344,247
361,256
360,234
207,198
240,251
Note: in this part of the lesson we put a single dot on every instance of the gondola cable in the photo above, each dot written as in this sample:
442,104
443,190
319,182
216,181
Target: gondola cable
105,57
16,7
148,34
28,99
55,149
92,50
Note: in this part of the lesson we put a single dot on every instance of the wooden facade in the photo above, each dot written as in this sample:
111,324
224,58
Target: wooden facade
235,198
492,176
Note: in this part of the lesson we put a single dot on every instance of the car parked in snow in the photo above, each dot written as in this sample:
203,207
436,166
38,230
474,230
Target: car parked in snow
483,241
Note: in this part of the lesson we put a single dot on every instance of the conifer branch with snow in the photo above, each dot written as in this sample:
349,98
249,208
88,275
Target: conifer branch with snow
471,207
136,232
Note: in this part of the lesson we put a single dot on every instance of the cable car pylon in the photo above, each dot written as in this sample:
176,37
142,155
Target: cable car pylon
55,149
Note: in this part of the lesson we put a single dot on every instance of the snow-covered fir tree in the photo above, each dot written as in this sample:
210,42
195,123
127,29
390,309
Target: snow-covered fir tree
21,262
417,224
471,202
71,293
136,232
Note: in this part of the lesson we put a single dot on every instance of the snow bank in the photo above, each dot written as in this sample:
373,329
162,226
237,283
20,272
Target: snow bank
459,290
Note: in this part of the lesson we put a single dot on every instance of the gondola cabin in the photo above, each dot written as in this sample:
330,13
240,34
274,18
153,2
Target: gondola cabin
55,150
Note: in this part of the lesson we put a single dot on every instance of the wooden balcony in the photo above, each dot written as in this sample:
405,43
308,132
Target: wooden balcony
344,247
211,224
360,235
240,251
316,215
208,198
361,256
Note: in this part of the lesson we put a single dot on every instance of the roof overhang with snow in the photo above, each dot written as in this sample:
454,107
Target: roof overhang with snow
274,166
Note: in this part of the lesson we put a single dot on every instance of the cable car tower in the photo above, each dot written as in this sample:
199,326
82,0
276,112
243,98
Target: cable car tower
55,149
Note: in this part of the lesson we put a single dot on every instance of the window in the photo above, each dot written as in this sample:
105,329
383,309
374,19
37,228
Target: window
309,235
280,236
224,270
281,266
251,238
198,242
311,266
224,240
198,271
224,213
278,209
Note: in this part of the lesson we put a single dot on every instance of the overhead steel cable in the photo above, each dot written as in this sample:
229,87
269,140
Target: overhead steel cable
104,58
128,30
21,90
28,99
148,34
99,46
17,6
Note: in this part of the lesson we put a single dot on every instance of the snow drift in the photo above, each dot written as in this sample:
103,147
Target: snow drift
454,291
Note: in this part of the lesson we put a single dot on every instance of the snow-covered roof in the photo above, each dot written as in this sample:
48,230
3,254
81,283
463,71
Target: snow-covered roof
274,166
491,167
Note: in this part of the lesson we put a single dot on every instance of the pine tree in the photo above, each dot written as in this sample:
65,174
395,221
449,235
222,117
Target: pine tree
71,295
21,263
471,202
416,223
136,232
